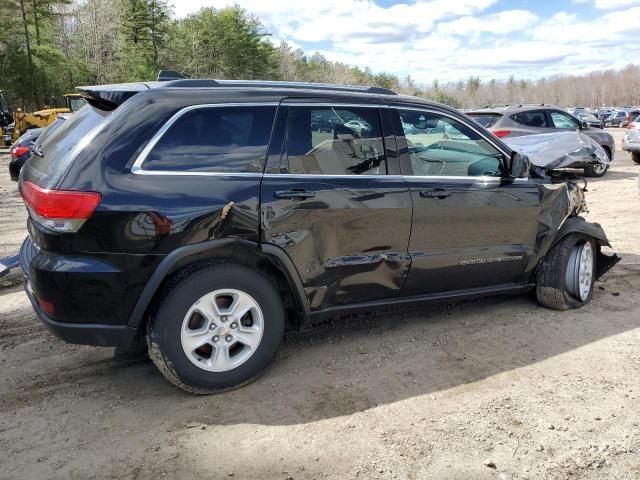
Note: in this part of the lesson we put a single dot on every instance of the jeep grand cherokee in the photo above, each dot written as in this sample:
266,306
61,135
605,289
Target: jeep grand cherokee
208,216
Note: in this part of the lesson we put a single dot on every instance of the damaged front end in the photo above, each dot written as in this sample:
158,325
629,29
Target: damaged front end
551,152
562,193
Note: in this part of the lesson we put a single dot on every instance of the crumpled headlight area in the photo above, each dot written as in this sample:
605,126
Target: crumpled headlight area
577,198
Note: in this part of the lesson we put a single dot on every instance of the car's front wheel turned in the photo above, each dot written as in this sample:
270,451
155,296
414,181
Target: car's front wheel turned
595,170
635,156
567,273
217,329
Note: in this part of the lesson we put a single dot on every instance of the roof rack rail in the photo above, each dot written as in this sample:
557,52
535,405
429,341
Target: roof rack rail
206,83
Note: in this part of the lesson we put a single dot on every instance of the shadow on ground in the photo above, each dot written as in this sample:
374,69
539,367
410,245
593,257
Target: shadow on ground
353,363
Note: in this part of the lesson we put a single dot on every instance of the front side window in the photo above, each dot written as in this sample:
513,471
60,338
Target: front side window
442,146
334,141
535,118
214,139
562,120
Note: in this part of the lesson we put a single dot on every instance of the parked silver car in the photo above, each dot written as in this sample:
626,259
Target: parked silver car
518,120
631,140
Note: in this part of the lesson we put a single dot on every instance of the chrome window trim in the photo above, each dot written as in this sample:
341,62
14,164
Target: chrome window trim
137,169
294,103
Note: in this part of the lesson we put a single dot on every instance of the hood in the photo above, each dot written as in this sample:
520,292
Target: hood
551,151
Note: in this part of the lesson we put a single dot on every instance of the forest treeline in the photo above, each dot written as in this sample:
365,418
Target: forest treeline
48,47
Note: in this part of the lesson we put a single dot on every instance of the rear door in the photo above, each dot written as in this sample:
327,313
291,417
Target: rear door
472,227
328,201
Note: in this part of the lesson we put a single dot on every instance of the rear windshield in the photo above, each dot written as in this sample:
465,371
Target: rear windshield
49,130
63,144
486,120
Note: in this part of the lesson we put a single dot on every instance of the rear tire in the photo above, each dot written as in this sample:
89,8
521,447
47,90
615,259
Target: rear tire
217,329
567,273
635,156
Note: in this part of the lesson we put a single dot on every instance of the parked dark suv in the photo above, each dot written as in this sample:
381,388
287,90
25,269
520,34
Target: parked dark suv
208,216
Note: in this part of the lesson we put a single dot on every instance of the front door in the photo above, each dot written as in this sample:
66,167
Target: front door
472,226
331,205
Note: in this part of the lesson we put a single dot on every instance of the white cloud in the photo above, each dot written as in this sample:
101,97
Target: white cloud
498,23
615,4
449,39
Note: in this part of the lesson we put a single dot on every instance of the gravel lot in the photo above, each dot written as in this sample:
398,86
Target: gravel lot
491,389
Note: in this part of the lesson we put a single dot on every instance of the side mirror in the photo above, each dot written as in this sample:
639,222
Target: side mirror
520,165
584,126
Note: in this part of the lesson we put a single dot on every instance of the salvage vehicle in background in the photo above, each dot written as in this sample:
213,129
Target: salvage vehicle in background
20,152
228,217
616,118
590,119
631,140
518,120
29,143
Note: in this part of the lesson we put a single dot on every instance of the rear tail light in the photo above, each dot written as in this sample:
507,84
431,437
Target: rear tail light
59,210
501,133
18,152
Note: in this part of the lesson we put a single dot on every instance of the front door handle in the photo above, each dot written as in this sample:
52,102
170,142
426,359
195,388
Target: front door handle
293,194
435,193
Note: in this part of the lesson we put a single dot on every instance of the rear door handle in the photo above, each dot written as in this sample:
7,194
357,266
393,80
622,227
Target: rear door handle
435,193
293,194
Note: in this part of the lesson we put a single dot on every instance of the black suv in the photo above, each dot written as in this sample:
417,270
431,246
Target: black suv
209,216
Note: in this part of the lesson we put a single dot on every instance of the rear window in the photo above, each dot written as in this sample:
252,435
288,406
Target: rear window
214,139
50,130
60,147
536,119
486,120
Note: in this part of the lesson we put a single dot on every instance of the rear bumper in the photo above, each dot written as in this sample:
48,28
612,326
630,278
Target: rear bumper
81,306
84,333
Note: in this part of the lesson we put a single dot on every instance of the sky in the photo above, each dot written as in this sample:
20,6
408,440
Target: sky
451,40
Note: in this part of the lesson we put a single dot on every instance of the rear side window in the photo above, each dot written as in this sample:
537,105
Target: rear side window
334,141
535,119
214,139
487,121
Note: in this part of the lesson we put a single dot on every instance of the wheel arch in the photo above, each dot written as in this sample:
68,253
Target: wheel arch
579,225
269,259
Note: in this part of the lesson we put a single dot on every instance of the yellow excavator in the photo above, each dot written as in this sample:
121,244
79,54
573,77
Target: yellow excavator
13,126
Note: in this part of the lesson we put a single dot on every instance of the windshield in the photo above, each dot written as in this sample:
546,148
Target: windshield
486,120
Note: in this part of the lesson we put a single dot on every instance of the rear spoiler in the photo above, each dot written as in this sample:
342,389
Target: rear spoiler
110,97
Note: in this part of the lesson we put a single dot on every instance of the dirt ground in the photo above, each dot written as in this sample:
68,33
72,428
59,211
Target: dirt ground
492,389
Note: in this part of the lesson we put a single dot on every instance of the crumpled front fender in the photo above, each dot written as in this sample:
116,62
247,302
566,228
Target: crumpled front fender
604,263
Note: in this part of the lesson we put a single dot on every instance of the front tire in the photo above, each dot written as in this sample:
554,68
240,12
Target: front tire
217,329
596,170
566,275
635,157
